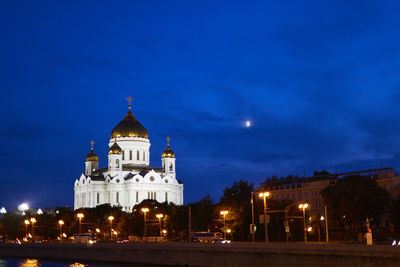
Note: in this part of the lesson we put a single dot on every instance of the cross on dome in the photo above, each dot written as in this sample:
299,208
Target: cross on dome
92,143
129,100
168,138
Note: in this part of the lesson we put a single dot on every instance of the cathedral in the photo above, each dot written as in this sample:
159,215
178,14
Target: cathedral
128,179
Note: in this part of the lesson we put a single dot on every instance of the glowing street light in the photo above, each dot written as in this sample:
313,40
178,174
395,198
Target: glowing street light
111,218
61,223
264,195
39,212
3,210
304,206
97,230
309,229
224,213
145,210
23,207
80,216
26,227
159,216
33,221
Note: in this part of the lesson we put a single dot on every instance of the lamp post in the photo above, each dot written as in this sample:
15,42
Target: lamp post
264,195
111,218
145,210
26,228
303,207
229,231
224,213
61,223
159,216
80,216
33,221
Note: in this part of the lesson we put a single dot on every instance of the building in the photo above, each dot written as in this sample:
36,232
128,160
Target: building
128,179
308,189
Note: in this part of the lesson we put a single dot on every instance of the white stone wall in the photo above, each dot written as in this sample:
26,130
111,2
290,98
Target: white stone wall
150,186
139,148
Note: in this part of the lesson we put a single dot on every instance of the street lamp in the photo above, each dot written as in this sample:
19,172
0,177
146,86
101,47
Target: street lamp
304,206
33,221
159,216
111,218
80,216
61,223
264,195
224,213
145,210
26,227
229,231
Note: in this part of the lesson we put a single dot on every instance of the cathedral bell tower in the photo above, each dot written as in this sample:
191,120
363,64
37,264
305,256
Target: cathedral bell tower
168,160
115,158
92,161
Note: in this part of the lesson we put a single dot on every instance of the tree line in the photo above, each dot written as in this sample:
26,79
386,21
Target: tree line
350,202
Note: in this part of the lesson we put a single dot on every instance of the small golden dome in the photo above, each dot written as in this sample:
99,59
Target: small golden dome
115,149
129,127
168,153
92,156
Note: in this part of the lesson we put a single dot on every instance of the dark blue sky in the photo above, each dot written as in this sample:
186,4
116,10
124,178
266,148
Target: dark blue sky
319,81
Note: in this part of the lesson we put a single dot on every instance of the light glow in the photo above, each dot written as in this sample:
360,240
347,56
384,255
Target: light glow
224,212
264,194
145,210
3,210
23,207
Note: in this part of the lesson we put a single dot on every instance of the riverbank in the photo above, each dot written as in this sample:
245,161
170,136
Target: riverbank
232,255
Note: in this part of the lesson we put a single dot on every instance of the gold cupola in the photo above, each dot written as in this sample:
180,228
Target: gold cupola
168,153
115,149
92,156
129,126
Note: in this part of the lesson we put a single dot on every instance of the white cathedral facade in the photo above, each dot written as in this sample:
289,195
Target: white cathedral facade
128,179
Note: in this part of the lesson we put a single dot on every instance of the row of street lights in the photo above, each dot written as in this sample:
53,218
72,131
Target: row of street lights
302,206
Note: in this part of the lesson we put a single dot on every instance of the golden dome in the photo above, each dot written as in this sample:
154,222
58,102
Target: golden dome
115,149
168,153
92,156
129,127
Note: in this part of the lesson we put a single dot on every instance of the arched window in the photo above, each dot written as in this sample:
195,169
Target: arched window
123,154
117,163
171,168
137,155
144,155
130,154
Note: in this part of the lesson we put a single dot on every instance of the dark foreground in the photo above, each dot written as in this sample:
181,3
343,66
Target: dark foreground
188,254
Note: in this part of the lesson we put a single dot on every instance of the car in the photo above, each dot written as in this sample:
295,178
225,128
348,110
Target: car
385,241
222,241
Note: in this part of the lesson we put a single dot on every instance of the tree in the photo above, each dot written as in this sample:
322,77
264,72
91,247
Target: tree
236,200
353,199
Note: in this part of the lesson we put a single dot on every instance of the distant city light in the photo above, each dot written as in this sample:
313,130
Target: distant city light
39,211
248,123
23,207
3,210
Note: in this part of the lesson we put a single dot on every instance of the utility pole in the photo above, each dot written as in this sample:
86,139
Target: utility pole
326,225
286,225
252,216
190,223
